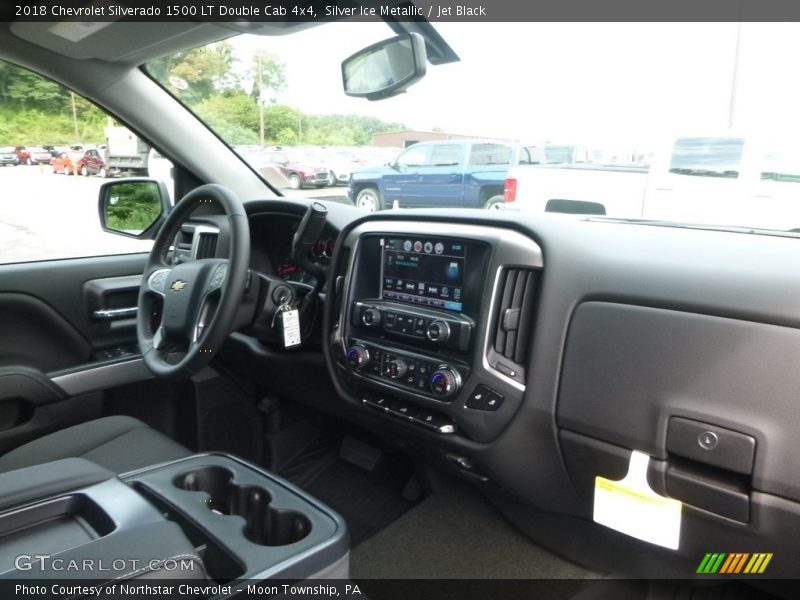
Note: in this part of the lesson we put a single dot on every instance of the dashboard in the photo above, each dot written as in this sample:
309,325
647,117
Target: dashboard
271,247
529,354
431,328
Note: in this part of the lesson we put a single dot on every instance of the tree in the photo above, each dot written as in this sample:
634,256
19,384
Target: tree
206,71
30,90
234,117
268,74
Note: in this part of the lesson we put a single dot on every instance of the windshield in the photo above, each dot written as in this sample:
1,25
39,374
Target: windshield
617,116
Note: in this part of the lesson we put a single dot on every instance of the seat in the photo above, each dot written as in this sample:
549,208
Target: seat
120,444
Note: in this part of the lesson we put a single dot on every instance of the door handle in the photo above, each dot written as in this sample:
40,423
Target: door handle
108,314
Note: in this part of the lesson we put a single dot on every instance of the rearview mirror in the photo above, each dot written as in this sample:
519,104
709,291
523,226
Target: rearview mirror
385,69
133,207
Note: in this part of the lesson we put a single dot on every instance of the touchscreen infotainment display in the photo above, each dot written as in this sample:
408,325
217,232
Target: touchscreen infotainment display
424,271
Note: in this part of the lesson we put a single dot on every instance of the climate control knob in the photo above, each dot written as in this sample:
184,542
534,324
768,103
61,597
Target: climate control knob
395,368
438,331
371,317
358,356
445,382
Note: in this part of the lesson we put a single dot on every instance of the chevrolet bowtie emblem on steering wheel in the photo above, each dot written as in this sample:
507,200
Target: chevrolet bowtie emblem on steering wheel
177,285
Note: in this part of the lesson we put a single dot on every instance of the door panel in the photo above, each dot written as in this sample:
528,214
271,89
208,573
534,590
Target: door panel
60,285
35,335
54,324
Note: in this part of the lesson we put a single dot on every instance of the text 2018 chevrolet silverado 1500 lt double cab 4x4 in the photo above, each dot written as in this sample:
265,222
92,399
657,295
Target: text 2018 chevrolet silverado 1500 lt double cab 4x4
435,174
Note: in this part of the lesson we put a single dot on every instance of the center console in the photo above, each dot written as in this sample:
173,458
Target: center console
208,518
432,322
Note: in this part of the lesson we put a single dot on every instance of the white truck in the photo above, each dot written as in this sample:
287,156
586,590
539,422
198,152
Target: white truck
716,180
125,152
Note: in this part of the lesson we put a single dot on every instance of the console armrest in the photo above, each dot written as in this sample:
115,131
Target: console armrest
49,479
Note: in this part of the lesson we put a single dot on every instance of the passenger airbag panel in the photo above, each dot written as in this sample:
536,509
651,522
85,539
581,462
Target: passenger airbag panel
629,369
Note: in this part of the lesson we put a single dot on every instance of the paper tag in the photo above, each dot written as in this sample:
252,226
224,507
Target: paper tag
291,328
633,508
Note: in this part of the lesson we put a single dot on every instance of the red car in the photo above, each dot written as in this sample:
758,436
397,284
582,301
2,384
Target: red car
300,170
62,163
23,155
90,162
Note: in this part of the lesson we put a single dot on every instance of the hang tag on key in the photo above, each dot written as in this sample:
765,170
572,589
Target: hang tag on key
290,321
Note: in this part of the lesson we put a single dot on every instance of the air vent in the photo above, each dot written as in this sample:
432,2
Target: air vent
206,245
516,297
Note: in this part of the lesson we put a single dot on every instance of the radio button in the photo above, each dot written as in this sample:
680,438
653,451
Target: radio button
407,411
438,331
358,356
395,368
371,317
445,382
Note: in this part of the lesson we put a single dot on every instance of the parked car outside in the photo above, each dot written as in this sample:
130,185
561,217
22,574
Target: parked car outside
340,164
299,168
23,154
54,150
39,155
91,163
451,173
63,163
8,156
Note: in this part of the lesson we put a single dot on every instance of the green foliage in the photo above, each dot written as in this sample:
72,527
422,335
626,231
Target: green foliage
233,117
207,71
36,111
132,207
222,92
286,137
269,75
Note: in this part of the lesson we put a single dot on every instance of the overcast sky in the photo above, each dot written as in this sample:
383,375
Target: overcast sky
577,82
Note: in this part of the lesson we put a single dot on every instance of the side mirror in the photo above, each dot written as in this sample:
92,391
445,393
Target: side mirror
385,69
134,207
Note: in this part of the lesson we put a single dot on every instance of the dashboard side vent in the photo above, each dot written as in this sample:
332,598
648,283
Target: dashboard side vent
512,321
206,245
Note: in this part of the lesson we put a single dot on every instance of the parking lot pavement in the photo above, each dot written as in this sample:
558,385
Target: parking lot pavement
72,225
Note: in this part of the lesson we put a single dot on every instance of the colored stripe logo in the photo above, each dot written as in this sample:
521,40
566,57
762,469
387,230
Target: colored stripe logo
733,563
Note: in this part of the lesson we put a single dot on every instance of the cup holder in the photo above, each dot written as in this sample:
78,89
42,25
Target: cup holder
265,525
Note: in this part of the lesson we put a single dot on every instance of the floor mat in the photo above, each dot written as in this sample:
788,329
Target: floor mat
368,501
454,535
314,459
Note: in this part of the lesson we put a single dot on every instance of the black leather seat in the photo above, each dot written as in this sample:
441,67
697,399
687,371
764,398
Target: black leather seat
119,444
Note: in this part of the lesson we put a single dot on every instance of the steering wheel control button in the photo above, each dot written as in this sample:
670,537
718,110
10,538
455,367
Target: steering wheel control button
710,444
218,277
158,280
708,440
484,398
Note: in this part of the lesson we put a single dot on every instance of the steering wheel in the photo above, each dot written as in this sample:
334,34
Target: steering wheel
186,311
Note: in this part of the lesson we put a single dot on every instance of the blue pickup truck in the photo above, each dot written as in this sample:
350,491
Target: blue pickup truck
458,173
